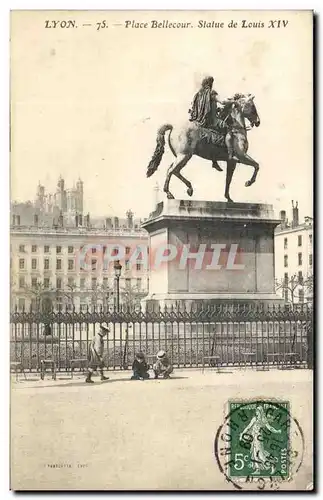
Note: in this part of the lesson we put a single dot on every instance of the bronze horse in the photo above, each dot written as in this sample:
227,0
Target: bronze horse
190,140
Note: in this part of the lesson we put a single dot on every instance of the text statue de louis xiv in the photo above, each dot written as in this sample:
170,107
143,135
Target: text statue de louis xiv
212,132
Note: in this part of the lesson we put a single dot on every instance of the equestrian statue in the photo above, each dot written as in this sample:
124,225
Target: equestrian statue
212,133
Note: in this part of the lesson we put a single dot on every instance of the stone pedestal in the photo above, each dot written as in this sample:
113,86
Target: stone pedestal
212,252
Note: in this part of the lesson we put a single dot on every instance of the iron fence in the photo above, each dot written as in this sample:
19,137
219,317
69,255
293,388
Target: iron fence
225,336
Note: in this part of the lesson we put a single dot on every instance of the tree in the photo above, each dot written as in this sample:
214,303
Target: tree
293,285
41,294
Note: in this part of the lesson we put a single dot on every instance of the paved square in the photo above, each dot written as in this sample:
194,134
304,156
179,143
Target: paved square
155,434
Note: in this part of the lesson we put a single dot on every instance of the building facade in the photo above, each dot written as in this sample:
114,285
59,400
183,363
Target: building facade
294,264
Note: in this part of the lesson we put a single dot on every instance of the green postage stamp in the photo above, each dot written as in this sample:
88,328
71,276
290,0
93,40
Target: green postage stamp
259,444
259,434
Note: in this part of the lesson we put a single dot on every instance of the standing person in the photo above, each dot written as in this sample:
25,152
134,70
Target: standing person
162,365
96,355
140,367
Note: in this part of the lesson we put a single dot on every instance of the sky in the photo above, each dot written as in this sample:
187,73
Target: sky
88,103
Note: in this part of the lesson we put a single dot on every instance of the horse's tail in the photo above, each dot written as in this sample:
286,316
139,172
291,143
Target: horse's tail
160,149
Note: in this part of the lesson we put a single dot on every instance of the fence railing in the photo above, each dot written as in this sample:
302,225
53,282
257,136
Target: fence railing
226,336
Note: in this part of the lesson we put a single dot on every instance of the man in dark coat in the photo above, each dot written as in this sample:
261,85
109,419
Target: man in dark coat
96,354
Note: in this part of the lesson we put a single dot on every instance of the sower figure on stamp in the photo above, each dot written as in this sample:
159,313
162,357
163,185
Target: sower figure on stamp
96,355
204,112
162,365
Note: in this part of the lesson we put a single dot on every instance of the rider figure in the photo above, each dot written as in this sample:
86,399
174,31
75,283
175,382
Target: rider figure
204,111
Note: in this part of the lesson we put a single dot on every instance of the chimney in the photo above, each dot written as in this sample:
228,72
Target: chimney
282,216
295,222
35,220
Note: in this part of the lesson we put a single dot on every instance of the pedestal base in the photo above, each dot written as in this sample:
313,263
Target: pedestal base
211,252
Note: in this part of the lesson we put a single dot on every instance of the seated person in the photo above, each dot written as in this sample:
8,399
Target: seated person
140,367
162,365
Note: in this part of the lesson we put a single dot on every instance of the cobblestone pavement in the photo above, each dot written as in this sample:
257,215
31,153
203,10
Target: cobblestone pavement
155,434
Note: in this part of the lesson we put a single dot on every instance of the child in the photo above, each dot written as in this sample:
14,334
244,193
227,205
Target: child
162,365
96,355
140,367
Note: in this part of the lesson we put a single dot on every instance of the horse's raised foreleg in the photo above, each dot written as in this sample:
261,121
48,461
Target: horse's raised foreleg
247,160
231,165
186,182
175,167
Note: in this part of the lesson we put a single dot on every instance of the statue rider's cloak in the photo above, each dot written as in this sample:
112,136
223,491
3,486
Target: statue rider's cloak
201,107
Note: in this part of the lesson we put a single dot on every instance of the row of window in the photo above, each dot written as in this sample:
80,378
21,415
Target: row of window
34,249
300,260
299,241
300,278
72,285
70,264
70,249
300,295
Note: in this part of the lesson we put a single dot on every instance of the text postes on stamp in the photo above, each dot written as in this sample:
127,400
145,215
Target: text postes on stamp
259,444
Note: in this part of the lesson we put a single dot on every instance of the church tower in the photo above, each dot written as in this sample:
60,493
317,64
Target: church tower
79,189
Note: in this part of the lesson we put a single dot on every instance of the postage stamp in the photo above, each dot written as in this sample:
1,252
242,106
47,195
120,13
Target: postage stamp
260,444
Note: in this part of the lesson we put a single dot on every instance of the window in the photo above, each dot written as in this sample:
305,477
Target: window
82,283
286,278
93,283
21,263
58,283
70,249
34,248
310,237
46,282
34,282
127,265
21,248
300,259
300,277
34,263
21,304
105,283
70,282
21,282
300,240
139,283
128,283
46,264
285,260
94,261
58,264
138,266
285,243
127,250
70,264
301,296
93,250
46,249
310,259
286,295
58,249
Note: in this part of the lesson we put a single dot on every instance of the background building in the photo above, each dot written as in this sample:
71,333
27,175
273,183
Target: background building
294,257
50,236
